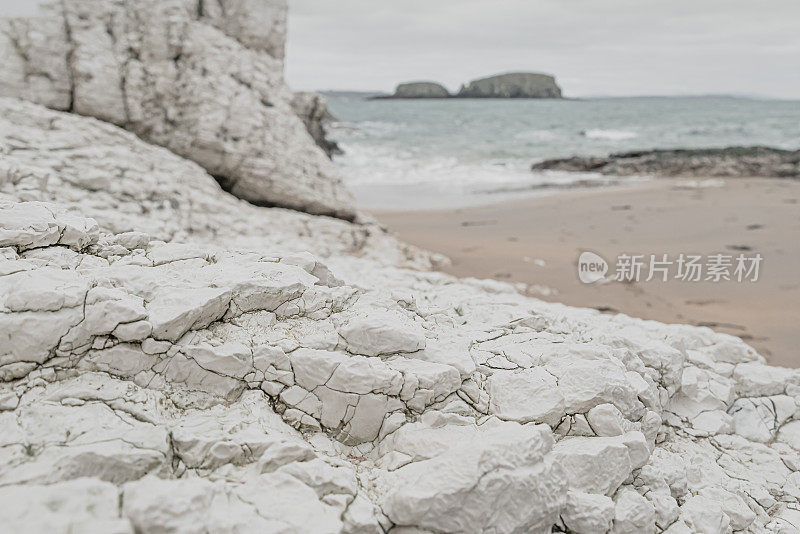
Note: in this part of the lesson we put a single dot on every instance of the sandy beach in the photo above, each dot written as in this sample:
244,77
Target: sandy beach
536,241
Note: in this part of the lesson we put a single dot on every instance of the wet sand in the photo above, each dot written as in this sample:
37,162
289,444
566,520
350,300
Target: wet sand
536,241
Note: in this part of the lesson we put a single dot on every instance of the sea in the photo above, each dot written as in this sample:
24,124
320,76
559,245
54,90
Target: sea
433,154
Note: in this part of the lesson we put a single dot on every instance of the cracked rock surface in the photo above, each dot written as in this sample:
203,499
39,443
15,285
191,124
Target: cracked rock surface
172,359
203,78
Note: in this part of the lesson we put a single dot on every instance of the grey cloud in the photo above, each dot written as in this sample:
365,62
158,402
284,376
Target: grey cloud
609,47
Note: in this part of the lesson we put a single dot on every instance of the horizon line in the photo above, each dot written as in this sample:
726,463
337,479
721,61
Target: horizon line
744,96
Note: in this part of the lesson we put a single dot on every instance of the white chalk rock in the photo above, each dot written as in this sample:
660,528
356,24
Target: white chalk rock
271,503
424,382
759,418
82,505
68,159
32,225
237,120
85,440
633,514
588,513
175,311
594,465
606,420
587,383
35,64
712,423
790,434
481,485
739,514
168,505
754,378
705,514
382,334
530,395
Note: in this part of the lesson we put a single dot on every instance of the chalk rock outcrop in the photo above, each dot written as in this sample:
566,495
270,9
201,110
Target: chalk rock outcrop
134,188
160,373
723,162
203,79
512,85
420,90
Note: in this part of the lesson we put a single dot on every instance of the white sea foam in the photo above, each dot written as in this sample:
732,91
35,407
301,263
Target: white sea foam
383,178
609,135
535,135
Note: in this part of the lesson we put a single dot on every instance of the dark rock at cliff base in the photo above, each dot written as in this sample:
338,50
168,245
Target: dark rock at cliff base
312,108
420,90
512,85
724,162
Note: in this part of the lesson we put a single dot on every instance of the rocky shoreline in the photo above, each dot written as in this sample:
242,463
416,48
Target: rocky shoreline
755,161
177,359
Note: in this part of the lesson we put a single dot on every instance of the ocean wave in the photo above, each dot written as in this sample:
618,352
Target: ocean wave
371,164
386,178
363,129
609,135
535,135
557,180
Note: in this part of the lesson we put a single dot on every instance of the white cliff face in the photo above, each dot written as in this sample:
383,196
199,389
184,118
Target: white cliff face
130,186
201,78
171,361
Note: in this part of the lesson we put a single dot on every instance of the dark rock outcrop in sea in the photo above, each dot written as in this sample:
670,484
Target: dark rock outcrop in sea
512,85
312,109
727,162
420,90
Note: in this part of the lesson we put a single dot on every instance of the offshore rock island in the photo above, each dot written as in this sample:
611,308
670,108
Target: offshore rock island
511,85
420,90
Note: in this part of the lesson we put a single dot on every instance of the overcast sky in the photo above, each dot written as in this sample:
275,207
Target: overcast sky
593,47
